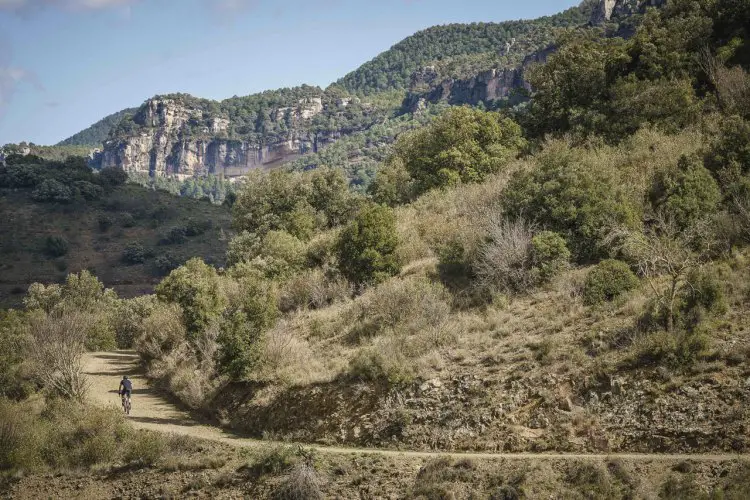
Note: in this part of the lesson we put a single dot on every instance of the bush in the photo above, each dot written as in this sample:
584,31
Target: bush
549,255
578,200
685,194
372,365
134,253
50,190
165,264
56,246
105,222
112,176
127,319
302,483
127,219
89,191
401,307
175,236
197,227
145,449
366,248
503,262
608,280
672,349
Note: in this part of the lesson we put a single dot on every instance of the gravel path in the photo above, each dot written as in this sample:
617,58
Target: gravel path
151,410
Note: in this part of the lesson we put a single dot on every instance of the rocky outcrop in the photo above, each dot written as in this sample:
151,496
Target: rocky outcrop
609,10
165,143
487,86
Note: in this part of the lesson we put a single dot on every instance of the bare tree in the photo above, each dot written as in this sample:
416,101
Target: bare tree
56,351
664,251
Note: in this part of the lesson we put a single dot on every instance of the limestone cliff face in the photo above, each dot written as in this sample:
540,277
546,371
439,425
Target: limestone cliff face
486,86
162,146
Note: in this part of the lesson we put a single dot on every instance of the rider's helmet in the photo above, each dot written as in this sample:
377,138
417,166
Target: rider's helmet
124,377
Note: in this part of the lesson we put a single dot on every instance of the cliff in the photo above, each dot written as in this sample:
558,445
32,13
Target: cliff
182,136
486,86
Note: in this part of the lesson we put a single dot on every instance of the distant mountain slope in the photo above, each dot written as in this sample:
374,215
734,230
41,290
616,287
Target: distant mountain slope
98,132
393,68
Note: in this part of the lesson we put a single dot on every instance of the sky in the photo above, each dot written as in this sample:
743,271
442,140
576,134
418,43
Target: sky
65,64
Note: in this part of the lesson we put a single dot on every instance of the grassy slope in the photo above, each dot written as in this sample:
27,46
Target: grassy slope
541,371
26,224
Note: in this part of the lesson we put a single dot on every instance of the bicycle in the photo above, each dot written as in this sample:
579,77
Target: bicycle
126,404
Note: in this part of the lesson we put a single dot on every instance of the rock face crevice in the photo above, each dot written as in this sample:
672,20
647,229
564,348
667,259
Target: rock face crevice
166,144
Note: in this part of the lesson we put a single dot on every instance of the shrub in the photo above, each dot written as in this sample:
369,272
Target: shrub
371,365
134,253
403,307
50,190
56,246
366,248
438,478
197,227
272,460
160,331
608,280
549,255
127,219
105,222
503,262
277,255
88,191
112,176
302,483
175,236
672,349
145,449
392,185
127,319
574,198
165,264
685,194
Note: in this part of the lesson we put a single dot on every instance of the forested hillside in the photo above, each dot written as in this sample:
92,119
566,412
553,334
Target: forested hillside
393,68
98,132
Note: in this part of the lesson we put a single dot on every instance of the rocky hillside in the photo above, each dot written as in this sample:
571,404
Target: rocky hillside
179,135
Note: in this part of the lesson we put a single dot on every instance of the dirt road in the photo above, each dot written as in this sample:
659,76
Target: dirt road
153,411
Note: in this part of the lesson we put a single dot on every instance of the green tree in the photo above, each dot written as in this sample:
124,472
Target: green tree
195,286
576,199
366,246
685,194
461,145
243,326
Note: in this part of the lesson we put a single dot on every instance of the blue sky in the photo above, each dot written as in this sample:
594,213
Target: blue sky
64,64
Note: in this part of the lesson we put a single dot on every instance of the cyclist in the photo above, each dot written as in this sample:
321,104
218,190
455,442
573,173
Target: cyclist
125,389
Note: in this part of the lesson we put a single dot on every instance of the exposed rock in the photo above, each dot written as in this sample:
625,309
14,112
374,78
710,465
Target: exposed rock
163,148
608,10
487,86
